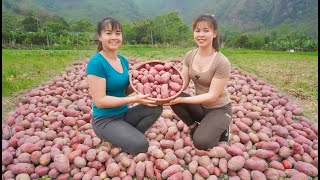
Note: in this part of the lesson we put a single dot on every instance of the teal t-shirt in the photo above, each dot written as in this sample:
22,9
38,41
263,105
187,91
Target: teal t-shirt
116,82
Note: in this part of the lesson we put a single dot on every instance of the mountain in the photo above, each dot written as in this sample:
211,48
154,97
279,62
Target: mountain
242,15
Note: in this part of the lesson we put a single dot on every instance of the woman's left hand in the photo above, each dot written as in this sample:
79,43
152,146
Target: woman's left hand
174,101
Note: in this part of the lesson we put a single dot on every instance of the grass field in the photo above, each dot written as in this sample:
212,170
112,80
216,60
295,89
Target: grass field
295,74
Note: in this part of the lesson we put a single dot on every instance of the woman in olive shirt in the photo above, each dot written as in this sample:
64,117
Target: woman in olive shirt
208,113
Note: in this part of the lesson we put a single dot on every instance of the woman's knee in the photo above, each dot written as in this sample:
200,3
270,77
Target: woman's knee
139,146
158,110
203,143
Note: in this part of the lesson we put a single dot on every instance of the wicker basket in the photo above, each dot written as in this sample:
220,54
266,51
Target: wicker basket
152,63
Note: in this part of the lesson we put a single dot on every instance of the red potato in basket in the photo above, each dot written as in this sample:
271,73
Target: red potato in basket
160,79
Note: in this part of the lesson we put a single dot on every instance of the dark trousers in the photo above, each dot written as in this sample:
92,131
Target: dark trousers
213,122
127,131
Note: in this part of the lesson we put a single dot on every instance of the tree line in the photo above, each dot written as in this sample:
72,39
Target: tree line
167,29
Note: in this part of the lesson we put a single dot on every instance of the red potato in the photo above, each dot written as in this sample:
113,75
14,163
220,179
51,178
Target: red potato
272,146
91,154
303,140
149,169
180,153
223,165
161,164
254,163
22,168
204,161
22,176
167,66
164,143
176,78
171,158
264,154
271,174
62,163
35,157
157,153
29,147
113,170
306,168
147,88
234,150
132,169
257,175
153,72
244,138
235,177
297,148
254,138
159,67
140,170
290,172
80,162
164,91
186,175
175,86
41,170
203,172
126,161
247,121
236,163
299,176
171,170
45,159
193,165
242,126
8,175
288,164
6,158
139,87
276,165
165,77
244,174
24,158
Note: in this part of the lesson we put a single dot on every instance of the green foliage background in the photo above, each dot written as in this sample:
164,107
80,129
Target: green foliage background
263,24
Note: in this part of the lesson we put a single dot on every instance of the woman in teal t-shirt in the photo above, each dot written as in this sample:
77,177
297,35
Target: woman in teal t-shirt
108,79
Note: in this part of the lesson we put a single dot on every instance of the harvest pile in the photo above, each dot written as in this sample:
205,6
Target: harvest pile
49,134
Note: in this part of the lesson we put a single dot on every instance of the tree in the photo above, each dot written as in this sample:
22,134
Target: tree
30,24
170,28
57,24
82,25
242,41
11,22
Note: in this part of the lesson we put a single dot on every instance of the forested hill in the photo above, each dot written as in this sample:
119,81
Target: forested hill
243,15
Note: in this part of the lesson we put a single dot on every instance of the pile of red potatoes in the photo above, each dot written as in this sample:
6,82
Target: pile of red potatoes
49,135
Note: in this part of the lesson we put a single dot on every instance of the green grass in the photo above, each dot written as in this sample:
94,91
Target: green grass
295,74
22,69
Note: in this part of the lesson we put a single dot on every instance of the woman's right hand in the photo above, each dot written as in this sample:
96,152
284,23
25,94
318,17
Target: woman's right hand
145,100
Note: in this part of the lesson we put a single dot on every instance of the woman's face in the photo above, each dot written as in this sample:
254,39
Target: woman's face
203,34
111,40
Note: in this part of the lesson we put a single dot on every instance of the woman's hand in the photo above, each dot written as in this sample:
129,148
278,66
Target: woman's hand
174,101
145,100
